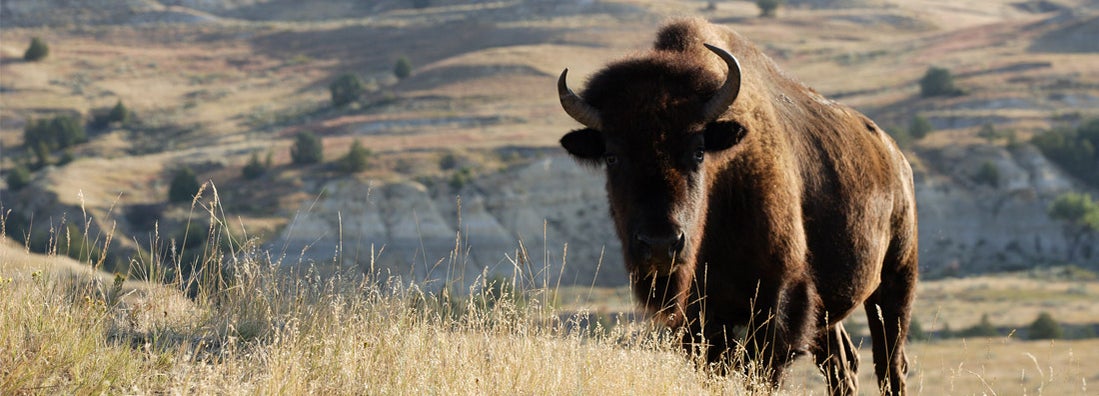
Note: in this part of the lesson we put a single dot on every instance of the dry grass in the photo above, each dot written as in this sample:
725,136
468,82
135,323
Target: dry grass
258,326
983,366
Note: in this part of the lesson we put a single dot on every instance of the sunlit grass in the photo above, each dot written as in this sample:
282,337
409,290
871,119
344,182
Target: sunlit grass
255,324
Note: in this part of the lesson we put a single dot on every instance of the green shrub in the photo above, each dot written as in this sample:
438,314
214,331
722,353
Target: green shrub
357,158
916,331
919,127
184,186
984,328
42,155
1045,328
448,161
37,50
254,168
403,68
1079,216
18,177
460,178
1077,209
307,149
938,81
1074,149
768,8
119,113
988,174
346,89
56,133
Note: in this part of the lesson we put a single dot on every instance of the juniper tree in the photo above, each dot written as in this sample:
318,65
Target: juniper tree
307,149
346,89
184,186
37,50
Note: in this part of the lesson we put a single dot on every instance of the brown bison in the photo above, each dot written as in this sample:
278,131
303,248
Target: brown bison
745,201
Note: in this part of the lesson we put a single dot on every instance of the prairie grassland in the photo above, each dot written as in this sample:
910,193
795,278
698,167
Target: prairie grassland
980,366
254,325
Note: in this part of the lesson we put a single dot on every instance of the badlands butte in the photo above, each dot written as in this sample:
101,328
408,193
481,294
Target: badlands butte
465,176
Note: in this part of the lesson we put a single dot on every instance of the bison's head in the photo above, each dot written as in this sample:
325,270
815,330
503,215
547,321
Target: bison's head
656,124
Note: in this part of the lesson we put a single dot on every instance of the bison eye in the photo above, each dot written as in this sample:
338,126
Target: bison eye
699,155
610,159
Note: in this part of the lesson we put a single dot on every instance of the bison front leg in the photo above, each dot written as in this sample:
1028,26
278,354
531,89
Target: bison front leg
783,328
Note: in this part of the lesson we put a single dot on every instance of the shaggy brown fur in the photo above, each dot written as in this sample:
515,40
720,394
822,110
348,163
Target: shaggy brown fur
780,217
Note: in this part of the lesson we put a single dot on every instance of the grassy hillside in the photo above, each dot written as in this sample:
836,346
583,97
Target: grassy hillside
209,93
254,326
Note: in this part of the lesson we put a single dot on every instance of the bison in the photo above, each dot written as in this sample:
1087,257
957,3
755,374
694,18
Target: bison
747,202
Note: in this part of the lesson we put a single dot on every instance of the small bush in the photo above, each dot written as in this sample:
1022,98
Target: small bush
42,155
37,50
184,186
357,158
119,113
916,331
403,68
1045,328
988,174
144,216
1077,210
307,149
460,178
254,168
1074,149
919,127
421,4
56,133
768,8
346,89
448,161
938,81
1079,216
18,177
984,328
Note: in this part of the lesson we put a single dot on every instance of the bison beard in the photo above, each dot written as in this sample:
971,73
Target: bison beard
746,203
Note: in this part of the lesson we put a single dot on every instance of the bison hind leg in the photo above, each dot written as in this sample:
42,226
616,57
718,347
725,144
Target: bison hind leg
889,311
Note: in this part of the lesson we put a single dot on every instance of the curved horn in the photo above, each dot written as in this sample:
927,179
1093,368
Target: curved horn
576,107
727,94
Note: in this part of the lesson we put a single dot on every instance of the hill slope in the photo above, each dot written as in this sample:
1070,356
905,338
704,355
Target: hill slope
244,77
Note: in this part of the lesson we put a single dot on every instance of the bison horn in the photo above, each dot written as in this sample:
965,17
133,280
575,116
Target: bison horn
576,107
727,94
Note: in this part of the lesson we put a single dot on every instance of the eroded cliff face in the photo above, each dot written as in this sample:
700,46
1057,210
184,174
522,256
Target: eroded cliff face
556,211
969,225
541,221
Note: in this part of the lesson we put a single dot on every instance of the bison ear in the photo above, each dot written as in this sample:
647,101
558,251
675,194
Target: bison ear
721,135
585,145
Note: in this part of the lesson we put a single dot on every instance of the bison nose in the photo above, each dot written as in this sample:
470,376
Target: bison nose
662,247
